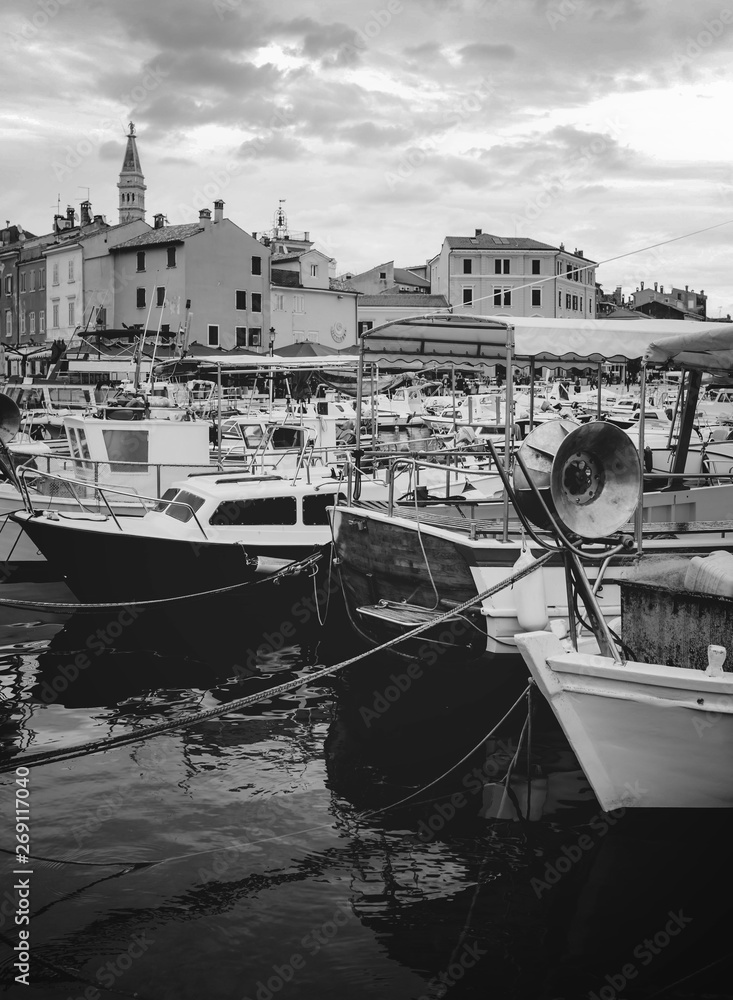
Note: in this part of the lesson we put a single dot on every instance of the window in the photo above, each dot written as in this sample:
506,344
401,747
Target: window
141,260
71,313
559,299
278,300
501,266
382,275
256,265
21,325
590,305
160,296
9,285
575,301
364,326
467,265
71,270
42,320
298,303
33,281
467,293
183,496
55,308
535,267
141,298
502,296
314,270
31,323
240,336
314,507
536,296
255,336
256,302
269,510
567,300
42,279
8,323
55,273
240,299
171,257
22,281
213,335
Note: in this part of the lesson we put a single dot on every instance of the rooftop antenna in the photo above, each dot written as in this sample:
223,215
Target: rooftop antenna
281,220
83,188
57,206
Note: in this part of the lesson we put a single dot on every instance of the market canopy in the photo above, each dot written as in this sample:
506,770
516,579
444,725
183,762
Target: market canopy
458,338
707,347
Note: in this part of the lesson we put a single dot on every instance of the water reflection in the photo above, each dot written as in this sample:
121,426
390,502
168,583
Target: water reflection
276,862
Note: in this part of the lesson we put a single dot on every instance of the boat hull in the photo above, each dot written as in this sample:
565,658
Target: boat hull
102,566
646,735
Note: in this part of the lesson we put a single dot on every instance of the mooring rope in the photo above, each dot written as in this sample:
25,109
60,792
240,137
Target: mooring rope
45,757
290,569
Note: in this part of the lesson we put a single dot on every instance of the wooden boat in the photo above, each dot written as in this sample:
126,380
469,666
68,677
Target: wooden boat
649,714
404,566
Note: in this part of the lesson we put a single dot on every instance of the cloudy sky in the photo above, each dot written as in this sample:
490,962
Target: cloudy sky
603,124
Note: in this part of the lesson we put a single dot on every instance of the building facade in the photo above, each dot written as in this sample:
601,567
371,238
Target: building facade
387,279
372,310
675,303
307,305
208,281
497,275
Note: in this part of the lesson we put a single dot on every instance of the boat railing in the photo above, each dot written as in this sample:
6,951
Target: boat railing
149,503
90,474
414,465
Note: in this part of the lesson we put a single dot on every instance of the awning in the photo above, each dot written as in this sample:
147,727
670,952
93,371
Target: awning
708,347
446,338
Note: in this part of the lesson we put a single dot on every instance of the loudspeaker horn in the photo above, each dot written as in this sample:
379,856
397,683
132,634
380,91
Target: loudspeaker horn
9,418
538,452
595,478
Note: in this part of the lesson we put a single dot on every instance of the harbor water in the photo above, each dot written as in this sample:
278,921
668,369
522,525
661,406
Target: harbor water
267,852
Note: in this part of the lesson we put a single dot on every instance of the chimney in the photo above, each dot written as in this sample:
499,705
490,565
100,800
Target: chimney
702,291
205,215
70,215
307,237
655,287
218,210
687,288
86,214
661,289
642,286
579,253
158,220
254,236
479,232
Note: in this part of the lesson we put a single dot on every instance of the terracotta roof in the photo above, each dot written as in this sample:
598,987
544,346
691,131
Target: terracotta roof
165,234
287,279
488,242
415,300
283,257
405,277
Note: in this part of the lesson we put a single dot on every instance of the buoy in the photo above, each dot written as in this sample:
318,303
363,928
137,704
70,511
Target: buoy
529,595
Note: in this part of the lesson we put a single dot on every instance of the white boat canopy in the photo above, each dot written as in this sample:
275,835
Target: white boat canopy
706,347
446,338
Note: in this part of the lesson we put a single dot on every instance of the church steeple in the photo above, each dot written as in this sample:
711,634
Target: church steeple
132,183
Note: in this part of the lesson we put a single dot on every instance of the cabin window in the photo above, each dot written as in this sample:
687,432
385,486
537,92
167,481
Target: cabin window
287,437
314,507
182,496
268,510
125,446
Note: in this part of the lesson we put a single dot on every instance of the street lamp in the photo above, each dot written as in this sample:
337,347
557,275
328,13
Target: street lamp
272,374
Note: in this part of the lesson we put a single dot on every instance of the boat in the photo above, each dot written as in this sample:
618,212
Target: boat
402,567
648,708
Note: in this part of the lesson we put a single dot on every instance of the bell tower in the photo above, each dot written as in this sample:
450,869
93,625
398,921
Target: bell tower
131,183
